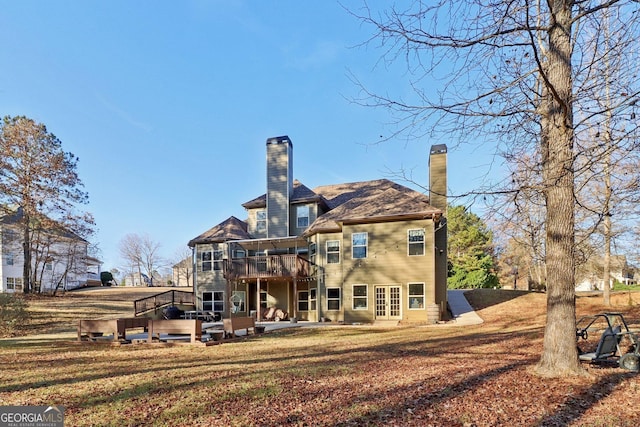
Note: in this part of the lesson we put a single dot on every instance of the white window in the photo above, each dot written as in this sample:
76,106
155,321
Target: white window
360,297
48,266
205,261
303,216
333,298
239,253
415,241
217,260
213,301
416,296
303,301
261,220
359,243
8,259
333,252
14,284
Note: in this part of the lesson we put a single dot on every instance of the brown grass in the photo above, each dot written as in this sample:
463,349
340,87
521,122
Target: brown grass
333,375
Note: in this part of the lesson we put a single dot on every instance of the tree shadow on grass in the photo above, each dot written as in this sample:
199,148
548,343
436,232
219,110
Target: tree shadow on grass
575,406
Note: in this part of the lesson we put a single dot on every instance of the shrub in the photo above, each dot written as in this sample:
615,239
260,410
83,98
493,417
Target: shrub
13,314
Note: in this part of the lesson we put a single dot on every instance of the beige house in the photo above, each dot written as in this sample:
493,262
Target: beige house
182,273
355,253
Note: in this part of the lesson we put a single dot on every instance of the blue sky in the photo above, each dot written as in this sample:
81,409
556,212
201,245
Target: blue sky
168,105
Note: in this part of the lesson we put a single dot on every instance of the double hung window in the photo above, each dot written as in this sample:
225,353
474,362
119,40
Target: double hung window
205,261
14,284
217,260
359,245
261,220
415,241
360,297
303,216
303,301
416,296
333,252
333,298
213,301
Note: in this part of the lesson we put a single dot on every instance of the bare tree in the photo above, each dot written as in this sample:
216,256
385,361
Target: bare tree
142,255
183,267
512,71
607,187
38,179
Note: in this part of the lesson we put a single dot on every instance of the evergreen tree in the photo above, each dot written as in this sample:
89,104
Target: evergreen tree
471,263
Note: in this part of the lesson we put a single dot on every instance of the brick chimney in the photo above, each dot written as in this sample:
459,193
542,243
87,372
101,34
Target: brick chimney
279,185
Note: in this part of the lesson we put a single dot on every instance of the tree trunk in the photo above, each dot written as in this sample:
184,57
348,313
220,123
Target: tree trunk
559,357
606,271
26,254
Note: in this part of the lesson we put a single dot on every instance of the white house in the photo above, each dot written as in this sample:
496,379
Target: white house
589,275
59,259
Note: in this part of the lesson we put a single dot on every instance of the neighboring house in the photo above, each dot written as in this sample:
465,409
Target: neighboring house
589,275
136,279
59,259
355,252
182,273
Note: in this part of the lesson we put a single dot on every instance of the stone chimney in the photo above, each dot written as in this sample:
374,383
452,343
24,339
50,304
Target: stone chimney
279,185
438,177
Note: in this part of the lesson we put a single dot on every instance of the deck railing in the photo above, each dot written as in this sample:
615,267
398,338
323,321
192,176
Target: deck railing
163,299
267,266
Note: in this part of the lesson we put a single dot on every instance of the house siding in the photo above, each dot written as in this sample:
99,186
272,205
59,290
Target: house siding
279,186
388,267
69,265
387,264
294,230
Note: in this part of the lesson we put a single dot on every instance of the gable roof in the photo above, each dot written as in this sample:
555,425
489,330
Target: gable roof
13,216
230,229
301,194
369,201
356,202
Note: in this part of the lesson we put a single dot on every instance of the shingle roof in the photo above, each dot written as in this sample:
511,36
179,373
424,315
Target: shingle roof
369,201
366,201
301,193
230,229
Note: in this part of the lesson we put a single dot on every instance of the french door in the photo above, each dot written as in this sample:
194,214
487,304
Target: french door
388,302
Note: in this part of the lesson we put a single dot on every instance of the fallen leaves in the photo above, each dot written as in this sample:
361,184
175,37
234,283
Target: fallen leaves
338,376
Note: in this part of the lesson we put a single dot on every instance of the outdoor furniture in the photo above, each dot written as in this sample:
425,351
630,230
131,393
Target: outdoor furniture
233,324
190,327
108,329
